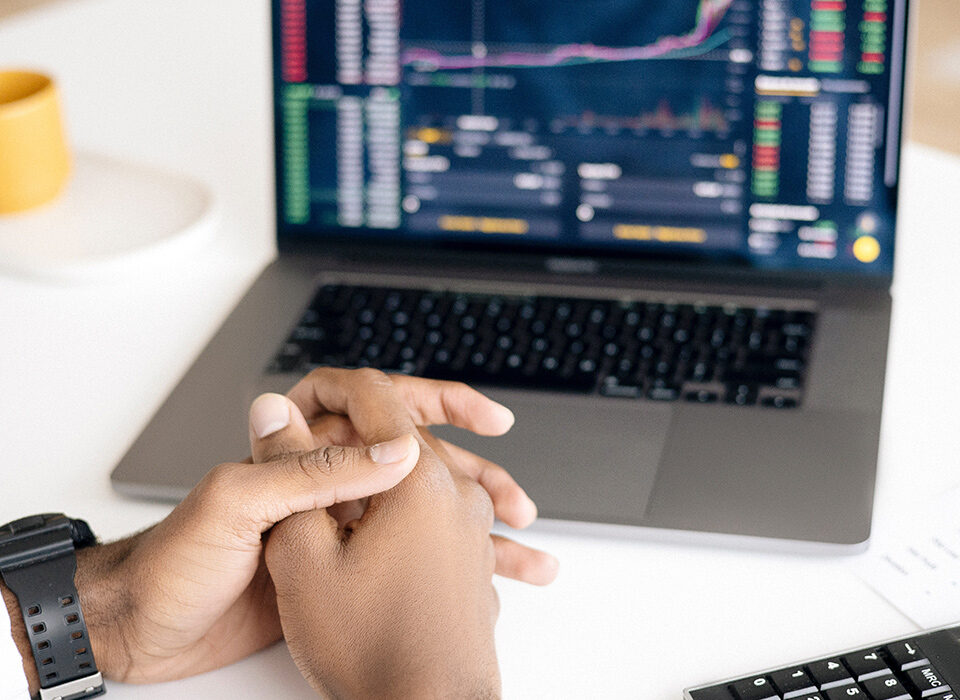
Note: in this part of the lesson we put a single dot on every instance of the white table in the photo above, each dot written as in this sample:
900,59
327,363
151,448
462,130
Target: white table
184,84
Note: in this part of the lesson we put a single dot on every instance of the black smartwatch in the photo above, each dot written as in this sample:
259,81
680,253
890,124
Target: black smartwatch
38,562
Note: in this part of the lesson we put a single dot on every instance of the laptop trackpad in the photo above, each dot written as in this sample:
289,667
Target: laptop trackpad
579,458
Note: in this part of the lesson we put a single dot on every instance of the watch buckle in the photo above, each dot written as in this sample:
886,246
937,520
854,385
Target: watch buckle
87,687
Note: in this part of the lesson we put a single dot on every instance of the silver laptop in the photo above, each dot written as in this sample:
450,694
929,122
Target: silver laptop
661,232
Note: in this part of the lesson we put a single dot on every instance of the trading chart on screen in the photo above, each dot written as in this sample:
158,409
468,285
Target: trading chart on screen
763,131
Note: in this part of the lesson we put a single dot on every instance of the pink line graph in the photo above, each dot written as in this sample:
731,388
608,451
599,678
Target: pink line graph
709,14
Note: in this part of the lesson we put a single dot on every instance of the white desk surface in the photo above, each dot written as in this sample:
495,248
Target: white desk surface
184,84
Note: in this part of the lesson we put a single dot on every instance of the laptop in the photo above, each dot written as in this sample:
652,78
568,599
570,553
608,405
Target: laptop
662,233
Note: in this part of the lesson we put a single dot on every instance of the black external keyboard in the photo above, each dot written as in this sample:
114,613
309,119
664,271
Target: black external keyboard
620,348
926,665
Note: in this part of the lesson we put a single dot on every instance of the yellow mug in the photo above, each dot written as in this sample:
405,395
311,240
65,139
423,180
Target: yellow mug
34,160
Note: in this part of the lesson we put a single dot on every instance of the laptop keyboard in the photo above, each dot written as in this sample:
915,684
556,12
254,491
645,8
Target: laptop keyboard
630,349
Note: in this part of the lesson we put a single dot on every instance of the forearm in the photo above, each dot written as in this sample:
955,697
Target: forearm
104,606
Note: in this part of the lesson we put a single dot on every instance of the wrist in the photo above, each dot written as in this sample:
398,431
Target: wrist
106,604
437,685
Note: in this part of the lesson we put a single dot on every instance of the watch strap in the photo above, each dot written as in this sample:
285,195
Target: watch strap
41,576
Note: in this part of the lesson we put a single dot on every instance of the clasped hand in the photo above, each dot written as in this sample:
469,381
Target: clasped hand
352,530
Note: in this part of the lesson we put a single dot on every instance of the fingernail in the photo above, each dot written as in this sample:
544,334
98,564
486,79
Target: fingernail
268,414
391,452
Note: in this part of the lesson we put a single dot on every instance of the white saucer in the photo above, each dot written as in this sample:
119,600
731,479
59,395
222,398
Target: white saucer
111,213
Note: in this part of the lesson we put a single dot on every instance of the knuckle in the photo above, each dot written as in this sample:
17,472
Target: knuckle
481,505
373,376
219,482
435,475
324,461
217,501
456,392
317,375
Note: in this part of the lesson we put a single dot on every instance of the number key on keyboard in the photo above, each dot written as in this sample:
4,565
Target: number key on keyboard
867,664
887,688
756,689
848,692
830,673
793,683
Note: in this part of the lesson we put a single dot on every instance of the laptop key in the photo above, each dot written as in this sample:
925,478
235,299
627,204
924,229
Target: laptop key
846,693
795,330
793,682
829,673
779,402
626,391
927,681
759,688
867,664
906,655
741,394
886,688
663,390
701,396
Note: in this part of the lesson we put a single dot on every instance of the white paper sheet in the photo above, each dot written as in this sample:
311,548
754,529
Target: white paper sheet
918,569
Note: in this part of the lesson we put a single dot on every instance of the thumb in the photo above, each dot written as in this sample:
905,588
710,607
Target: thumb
320,478
277,428
301,478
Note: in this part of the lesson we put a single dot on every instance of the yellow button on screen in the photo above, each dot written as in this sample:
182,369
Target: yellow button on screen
729,161
866,249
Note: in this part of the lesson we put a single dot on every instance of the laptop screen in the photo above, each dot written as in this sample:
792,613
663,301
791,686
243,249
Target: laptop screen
758,134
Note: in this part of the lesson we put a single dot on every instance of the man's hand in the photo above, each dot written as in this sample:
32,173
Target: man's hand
397,600
192,593
434,402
